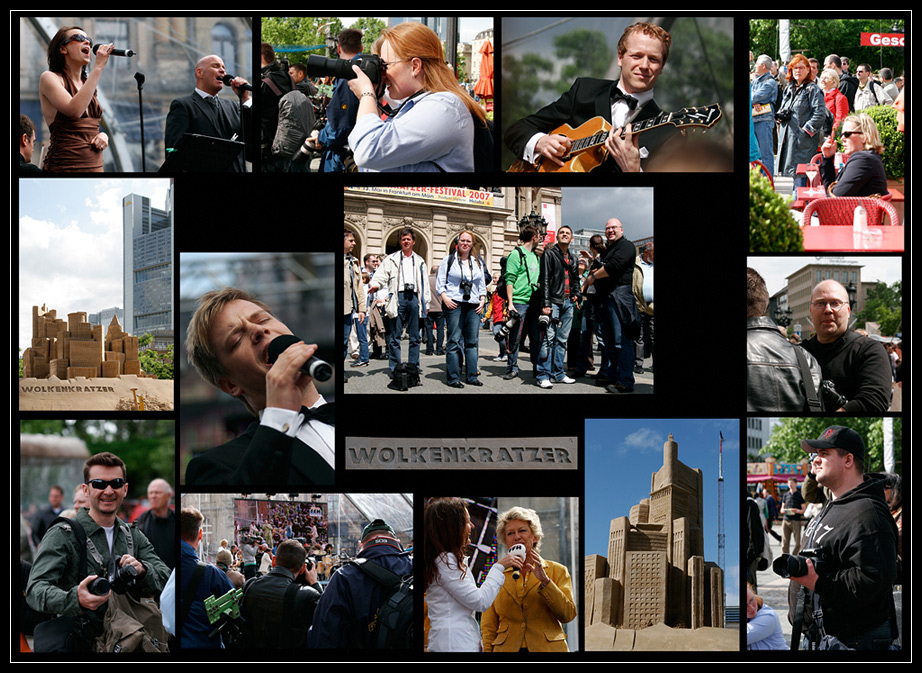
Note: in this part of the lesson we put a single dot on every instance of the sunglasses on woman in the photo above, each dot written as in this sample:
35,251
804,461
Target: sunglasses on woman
77,37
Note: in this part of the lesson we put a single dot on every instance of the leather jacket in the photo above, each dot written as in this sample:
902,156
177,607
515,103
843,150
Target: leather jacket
774,378
552,276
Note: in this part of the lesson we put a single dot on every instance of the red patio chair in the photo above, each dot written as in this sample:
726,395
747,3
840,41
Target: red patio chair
840,210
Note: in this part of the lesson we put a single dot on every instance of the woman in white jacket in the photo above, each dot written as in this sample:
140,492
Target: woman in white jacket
452,594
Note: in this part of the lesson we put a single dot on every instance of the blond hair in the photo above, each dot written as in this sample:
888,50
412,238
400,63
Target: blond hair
529,516
200,352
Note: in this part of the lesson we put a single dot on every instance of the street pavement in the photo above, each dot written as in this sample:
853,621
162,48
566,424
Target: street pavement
773,588
375,377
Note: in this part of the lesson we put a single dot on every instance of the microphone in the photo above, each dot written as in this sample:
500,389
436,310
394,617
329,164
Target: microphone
517,550
116,52
315,368
227,79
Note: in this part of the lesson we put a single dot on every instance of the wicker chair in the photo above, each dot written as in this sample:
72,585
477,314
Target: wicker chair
840,210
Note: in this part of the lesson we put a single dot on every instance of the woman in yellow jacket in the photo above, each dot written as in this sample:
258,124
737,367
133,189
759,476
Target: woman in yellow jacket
534,603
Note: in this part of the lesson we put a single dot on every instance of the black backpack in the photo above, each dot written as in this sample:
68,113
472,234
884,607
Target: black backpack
394,628
405,376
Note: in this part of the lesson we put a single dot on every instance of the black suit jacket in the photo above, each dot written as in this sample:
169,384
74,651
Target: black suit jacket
587,98
193,114
261,456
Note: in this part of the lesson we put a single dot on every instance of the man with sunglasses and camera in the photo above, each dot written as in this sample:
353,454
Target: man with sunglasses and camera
856,366
116,552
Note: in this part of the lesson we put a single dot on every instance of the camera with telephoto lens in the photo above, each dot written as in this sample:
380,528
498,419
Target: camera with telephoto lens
120,580
509,325
789,565
370,64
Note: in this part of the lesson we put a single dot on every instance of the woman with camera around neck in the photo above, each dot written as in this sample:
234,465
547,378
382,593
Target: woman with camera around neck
801,117
461,284
432,127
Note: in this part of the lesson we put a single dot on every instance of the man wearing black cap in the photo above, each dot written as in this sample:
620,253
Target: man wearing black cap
348,611
852,574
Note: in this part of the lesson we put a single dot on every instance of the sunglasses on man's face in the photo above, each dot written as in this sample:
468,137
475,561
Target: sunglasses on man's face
849,134
101,484
77,37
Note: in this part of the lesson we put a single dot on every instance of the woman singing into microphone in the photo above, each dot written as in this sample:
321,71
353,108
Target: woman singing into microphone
69,103
452,595
529,611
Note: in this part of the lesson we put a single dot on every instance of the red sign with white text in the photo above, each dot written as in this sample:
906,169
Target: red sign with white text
883,40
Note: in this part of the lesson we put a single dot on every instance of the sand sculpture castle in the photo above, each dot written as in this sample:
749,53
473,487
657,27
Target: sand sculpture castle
72,348
655,571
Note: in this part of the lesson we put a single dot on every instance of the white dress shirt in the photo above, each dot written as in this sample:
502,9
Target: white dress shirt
319,436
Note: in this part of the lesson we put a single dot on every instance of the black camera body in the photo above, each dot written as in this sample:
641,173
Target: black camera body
370,64
120,580
789,565
783,116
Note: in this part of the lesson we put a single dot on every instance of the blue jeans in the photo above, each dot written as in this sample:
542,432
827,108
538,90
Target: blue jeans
515,339
502,344
617,345
764,136
463,323
347,329
552,359
435,327
361,333
407,316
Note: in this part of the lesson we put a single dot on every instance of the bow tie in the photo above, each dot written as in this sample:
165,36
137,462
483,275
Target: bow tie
616,95
324,413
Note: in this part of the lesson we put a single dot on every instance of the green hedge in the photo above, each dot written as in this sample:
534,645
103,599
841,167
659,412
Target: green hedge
772,228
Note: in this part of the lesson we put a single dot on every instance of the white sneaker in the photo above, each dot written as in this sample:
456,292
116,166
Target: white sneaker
545,383
565,379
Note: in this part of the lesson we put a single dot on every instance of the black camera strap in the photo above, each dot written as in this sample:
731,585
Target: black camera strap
813,399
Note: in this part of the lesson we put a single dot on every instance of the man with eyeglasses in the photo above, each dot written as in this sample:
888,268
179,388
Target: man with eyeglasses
869,93
856,365
56,585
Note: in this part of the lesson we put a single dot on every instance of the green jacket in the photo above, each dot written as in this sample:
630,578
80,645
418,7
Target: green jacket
54,577
522,270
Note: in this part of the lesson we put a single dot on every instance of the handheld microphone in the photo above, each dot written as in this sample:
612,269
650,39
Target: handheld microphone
315,368
517,550
116,52
227,79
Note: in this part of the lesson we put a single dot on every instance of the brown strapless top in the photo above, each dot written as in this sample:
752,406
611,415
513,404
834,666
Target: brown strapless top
70,148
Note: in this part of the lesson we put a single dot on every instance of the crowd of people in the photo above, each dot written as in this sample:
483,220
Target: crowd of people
841,549
800,109
561,302
524,599
290,594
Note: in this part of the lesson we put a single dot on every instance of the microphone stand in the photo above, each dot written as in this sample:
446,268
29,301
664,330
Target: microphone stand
139,77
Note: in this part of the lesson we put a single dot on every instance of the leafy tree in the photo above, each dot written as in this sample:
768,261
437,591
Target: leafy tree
817,38
297,31
148,447
883,305
786,437
587,55
154,362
